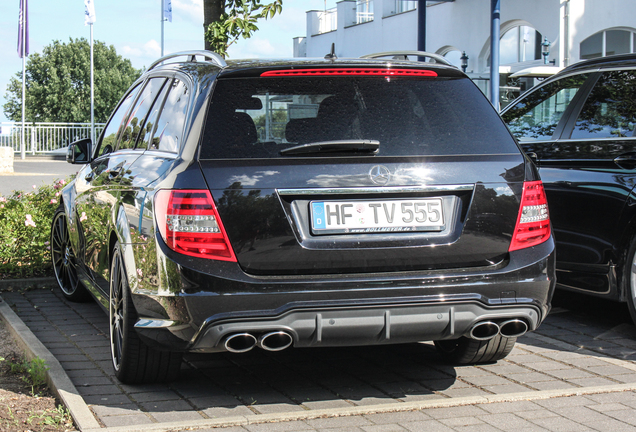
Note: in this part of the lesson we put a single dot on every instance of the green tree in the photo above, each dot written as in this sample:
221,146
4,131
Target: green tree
58,86
224,21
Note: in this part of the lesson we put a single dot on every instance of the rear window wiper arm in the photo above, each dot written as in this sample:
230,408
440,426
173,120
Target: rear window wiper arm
353,145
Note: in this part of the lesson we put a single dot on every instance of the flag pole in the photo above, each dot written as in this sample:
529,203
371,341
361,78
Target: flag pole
22,24
92,92
162,20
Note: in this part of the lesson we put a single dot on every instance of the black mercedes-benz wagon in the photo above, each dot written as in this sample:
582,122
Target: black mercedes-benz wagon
580,127
305,203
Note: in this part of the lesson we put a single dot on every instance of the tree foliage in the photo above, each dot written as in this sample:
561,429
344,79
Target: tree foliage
58,86
227,20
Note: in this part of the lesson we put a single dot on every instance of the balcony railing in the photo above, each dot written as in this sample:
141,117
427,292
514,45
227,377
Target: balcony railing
328,20
44,137
364,11
404,6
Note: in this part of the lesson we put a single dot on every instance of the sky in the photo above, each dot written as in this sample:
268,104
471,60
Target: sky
133,27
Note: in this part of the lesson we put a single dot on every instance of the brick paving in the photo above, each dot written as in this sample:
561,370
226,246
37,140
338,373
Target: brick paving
569,352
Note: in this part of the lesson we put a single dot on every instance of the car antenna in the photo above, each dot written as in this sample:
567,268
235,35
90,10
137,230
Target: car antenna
332,55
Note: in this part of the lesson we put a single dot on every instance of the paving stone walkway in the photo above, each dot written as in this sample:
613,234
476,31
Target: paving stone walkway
569,353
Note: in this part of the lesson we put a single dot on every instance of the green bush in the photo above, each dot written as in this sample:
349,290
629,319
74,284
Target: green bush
25,231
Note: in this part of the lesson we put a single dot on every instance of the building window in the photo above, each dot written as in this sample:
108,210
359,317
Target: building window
520,44
364,11
608,42
404,5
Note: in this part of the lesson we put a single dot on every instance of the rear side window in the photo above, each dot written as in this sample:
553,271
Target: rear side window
536,116
259,117
136,123
169,132
609,111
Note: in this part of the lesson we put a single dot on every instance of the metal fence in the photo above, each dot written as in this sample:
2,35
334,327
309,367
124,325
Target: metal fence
44,137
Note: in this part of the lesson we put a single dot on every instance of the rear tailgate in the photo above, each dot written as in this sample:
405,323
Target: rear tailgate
271,211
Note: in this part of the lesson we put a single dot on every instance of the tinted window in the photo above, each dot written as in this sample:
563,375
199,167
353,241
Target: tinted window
111,131
168,134
536,116
610,109
136,120
258,117
151,119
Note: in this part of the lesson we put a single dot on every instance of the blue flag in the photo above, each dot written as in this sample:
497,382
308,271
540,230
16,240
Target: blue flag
23,33
167,10
89,13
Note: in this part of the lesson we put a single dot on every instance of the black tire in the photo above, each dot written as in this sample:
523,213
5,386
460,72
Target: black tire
629,280
465,351
63,259
134,361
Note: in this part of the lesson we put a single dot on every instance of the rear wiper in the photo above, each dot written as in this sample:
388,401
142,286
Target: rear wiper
353,145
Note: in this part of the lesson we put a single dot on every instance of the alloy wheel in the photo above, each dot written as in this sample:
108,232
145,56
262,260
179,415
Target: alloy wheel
116,308
62,256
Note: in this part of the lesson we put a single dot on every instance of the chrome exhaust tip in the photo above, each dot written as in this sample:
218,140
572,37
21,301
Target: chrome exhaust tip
275,341
484,330
240,342
513,328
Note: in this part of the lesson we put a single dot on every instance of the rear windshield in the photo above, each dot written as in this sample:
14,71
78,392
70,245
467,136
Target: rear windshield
259,117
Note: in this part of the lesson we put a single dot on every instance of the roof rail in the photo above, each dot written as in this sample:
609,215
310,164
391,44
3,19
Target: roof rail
209,56
438,58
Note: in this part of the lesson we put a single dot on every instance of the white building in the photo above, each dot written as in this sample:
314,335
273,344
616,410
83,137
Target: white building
576,30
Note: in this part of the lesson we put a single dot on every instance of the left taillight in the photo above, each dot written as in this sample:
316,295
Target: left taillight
533,221
190,224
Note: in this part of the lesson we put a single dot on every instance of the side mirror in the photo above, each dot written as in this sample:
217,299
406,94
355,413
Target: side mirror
79,152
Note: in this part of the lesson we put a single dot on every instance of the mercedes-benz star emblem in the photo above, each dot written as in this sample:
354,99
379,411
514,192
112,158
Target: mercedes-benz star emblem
380,175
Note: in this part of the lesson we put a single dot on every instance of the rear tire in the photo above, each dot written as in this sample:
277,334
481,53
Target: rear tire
134,361
63,259
465,351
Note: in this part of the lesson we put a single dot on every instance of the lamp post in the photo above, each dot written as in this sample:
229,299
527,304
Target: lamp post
545,50
464,59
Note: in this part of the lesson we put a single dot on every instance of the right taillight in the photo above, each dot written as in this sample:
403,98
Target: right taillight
533,222
190,224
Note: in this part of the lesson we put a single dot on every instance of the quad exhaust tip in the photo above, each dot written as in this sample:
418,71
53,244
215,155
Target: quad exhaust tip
513,328
487,330
275,341
240,342
272,341
484,330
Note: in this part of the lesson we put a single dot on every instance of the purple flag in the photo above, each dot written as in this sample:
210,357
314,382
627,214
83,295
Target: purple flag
23,36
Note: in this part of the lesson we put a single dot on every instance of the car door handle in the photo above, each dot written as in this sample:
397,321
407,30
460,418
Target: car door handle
626,161
114,172
89,177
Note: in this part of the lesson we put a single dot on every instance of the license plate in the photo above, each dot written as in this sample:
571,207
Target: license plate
362,217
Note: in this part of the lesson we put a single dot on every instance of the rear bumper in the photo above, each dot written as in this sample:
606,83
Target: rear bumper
344,310
354,326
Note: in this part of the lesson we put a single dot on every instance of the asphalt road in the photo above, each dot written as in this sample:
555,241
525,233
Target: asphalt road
34,171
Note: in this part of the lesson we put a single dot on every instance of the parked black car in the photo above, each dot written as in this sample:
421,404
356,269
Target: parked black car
313,203
579,127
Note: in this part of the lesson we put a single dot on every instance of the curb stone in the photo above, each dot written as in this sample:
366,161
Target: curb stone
57,379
